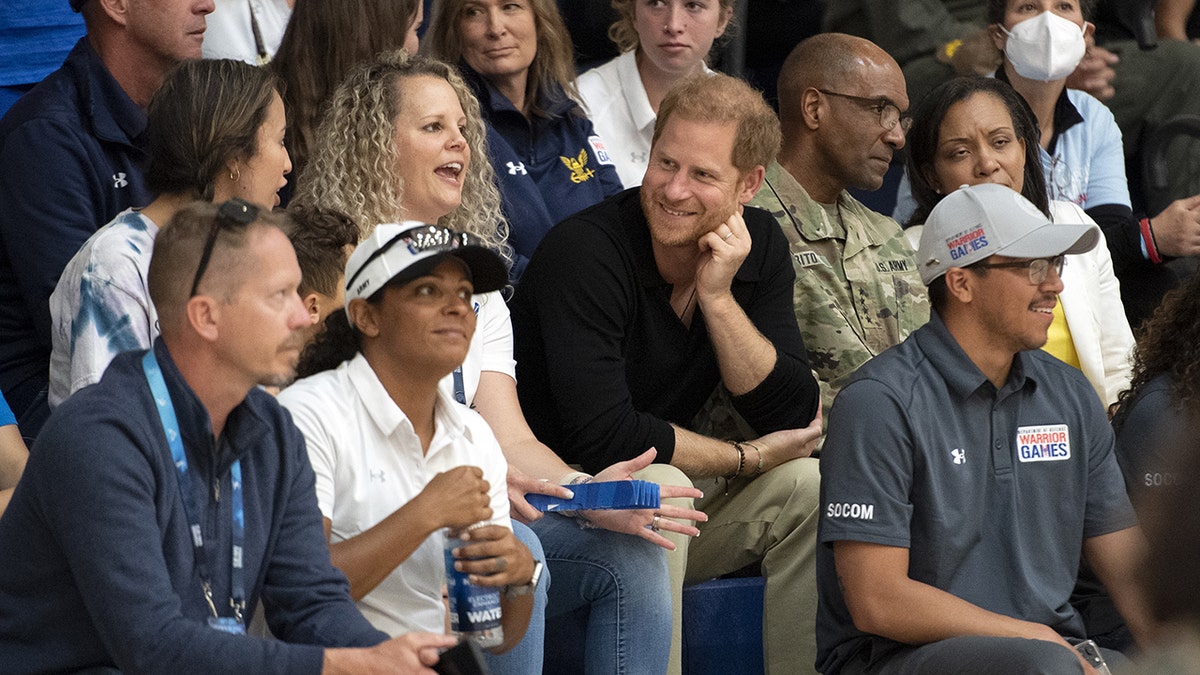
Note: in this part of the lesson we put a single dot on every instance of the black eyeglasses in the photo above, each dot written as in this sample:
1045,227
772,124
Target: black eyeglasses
419,239
1038,268
889,114
234,213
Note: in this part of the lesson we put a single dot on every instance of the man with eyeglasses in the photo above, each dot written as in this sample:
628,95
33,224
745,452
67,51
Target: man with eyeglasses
953,521
843,113
160,505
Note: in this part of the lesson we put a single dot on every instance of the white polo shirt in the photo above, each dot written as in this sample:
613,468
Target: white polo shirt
229,35
368,463
620,110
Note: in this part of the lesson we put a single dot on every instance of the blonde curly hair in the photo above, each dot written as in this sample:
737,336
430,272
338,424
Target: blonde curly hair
352,164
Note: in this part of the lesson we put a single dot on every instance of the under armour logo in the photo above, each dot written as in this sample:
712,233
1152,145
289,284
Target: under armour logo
377,476
637,157
959,456
517,168
119,180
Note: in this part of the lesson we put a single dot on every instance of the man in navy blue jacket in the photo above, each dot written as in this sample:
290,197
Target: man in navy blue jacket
71,159
163,502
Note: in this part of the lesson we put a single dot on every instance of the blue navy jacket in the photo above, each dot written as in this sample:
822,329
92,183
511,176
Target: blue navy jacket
98,566
71,159
547,167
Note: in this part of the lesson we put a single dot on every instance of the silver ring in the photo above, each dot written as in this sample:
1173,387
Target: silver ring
501,565
654,523
726,237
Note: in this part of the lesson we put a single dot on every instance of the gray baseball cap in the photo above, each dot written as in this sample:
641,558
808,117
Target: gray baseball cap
978,221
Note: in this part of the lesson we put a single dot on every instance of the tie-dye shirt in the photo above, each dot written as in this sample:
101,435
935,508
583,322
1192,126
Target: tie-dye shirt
101,305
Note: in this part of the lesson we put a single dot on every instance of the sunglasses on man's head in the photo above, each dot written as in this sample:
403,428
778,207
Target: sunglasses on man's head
233,214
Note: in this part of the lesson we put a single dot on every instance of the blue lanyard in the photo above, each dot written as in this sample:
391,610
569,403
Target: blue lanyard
460,390
166,413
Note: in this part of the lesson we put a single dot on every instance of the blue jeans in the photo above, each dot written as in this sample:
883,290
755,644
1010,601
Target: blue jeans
624,581
526,657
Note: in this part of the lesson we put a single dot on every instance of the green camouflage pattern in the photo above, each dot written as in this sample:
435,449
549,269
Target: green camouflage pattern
857,292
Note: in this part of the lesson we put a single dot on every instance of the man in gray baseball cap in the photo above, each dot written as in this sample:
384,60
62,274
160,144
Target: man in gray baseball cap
952,522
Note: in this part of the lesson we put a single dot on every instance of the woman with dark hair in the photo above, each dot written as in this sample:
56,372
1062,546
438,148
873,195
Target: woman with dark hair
979,130
216,130
397,460
1080,145
661,43
324,40
516,55
1165,389
405,140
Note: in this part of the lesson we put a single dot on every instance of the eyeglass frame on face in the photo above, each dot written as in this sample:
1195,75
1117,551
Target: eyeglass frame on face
456,240
1038,273
232,214
882,105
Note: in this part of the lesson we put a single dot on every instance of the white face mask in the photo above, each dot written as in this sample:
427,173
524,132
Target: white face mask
1046,47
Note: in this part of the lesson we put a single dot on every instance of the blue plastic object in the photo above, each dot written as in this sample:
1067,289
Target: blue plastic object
620,494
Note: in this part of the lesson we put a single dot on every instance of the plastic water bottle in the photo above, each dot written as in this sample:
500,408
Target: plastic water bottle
474,609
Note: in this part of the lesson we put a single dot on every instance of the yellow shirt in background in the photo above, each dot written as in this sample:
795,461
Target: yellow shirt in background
1059,343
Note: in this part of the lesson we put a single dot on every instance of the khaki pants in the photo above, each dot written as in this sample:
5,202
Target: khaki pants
770,519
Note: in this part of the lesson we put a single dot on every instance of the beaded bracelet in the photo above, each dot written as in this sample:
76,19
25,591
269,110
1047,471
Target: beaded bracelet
741,460
759,469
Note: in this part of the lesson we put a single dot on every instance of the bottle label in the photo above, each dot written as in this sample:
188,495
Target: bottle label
473,608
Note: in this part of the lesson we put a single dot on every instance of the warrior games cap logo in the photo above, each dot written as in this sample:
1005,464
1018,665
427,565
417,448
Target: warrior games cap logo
967,242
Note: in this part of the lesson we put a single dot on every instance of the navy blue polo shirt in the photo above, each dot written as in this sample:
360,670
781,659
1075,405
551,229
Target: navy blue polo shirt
548,166
71,159
991,491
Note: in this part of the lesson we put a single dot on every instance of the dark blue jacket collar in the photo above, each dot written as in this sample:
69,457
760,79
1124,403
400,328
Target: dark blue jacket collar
492,101
114,116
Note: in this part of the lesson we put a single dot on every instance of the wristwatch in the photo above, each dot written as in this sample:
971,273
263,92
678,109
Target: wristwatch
514,591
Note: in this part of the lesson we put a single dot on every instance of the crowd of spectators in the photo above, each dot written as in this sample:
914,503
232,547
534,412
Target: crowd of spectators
294,292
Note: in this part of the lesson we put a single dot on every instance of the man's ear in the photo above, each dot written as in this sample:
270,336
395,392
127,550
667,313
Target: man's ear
810,108
204,316
313,305
960,284
362,315
750,183
117,11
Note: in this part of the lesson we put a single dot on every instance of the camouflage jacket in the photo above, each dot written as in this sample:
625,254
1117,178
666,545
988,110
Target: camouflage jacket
857,293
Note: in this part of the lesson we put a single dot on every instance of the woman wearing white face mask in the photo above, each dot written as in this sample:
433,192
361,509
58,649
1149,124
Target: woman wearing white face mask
1043,41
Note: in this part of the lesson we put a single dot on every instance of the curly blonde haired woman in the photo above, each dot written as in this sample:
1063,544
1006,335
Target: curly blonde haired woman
517,57
354,166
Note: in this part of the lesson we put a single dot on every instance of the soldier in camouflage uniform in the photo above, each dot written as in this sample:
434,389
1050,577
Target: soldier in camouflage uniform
857,288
